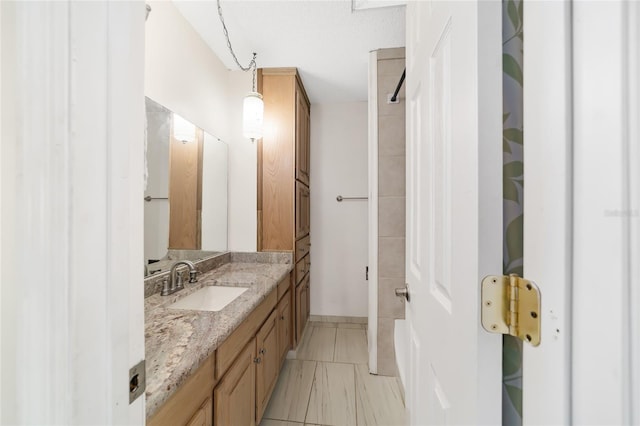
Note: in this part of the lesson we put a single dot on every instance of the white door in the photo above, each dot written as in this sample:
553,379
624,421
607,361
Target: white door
71,167
454,209
581,209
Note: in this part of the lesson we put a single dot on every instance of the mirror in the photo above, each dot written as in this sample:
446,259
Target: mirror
185,200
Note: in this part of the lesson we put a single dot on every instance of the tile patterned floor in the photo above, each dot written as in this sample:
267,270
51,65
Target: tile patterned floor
329,383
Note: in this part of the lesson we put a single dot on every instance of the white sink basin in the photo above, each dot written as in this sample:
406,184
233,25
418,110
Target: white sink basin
209,298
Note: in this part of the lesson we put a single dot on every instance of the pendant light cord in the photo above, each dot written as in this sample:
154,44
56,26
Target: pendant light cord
252,64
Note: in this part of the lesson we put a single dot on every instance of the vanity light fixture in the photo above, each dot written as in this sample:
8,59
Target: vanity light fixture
183,130
253,105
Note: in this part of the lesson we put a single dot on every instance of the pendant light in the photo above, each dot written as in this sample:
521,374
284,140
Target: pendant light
253,106
252,116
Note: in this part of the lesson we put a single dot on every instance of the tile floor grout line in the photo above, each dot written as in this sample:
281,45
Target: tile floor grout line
349,363
335,344
354,367
355,391
306,413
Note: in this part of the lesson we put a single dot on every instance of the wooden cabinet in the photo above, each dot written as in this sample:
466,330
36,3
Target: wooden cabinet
229,349
283,160
204,415
267,362
284,327
284,200
303,246
303,218
185,191
303,266
257,367
234,397
303,137
191,404
246,366
302,306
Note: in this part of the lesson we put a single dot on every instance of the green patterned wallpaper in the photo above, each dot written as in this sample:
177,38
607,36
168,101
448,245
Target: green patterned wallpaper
513,190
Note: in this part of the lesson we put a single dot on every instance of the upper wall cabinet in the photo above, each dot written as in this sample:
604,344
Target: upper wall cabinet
283,160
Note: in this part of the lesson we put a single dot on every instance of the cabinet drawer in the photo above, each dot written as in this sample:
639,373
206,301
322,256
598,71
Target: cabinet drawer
302,267
302,247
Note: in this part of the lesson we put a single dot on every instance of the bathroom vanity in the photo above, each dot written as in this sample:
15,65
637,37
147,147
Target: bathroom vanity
220,367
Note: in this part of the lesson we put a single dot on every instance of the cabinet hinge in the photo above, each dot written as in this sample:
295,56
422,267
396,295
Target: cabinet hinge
511,305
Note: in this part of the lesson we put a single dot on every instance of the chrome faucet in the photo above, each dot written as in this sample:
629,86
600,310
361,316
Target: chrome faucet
174,283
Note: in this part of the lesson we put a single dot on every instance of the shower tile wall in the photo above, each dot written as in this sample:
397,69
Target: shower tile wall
391,205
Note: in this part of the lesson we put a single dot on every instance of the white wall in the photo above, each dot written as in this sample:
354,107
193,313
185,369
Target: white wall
215,188
338,230
9,294
156,212
184,75
243,171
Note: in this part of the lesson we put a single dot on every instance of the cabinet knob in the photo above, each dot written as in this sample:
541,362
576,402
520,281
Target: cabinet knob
262,351
282,317
257,360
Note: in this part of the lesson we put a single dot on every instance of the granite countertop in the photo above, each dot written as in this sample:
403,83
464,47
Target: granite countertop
177,342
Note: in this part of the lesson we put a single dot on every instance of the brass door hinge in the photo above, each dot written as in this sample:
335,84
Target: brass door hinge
511,305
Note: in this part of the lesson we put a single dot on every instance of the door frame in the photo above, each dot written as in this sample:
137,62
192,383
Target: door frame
581,119
372,317
547,255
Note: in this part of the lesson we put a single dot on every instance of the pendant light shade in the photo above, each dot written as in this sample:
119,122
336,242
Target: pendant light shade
253,116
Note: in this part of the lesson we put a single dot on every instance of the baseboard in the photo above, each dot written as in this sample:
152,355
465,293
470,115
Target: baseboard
332,318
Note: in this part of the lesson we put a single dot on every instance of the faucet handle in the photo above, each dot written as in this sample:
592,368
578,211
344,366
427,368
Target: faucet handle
179,285
193,276
165,287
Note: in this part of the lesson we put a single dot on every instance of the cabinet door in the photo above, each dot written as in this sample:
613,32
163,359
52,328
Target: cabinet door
302,308
268,366
303,222
234,397
204,415
284,327
189,404
302,138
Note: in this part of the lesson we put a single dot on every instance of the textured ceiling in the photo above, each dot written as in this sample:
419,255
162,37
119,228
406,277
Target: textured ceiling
326,40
